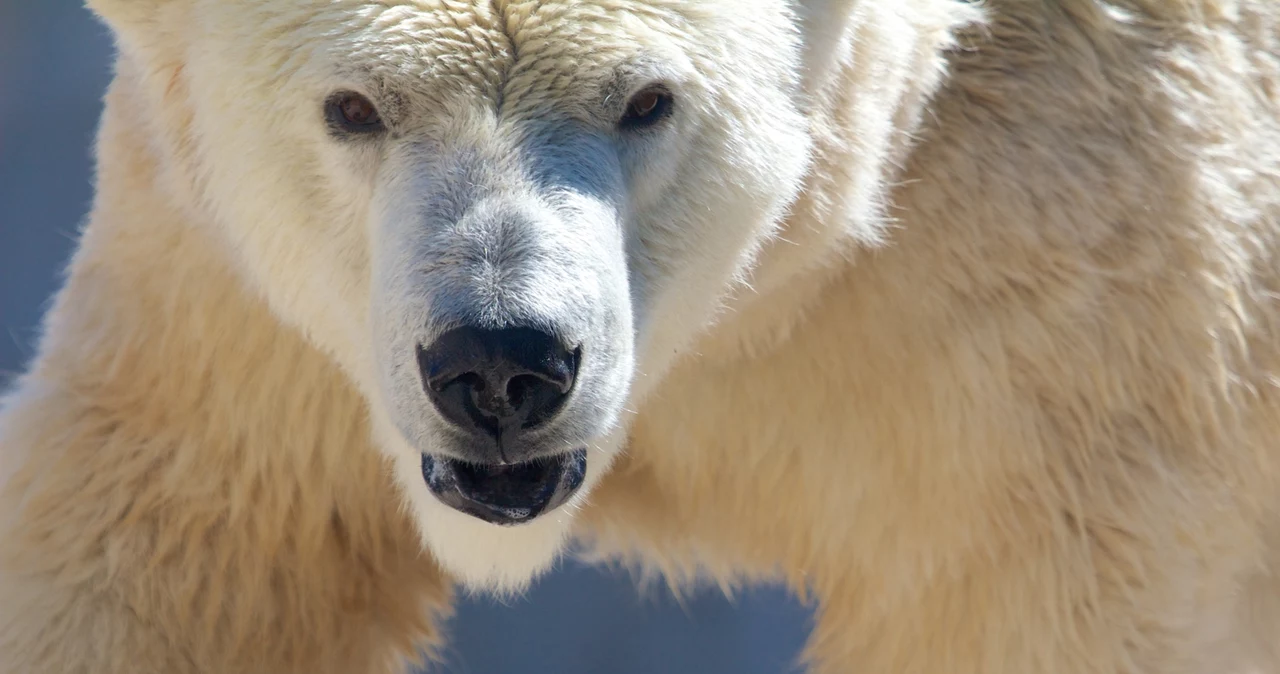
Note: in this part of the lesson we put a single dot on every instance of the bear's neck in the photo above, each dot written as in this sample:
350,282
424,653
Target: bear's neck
215,441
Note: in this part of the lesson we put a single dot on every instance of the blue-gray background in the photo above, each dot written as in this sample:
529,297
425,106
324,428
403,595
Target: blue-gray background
54,65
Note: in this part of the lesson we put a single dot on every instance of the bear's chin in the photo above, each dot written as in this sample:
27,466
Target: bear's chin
481,556
490,558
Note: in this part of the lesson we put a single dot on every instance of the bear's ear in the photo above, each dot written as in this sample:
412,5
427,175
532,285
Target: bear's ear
823,24
827,27
134,18
822,19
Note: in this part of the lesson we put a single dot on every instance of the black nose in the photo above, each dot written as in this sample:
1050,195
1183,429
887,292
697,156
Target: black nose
497,382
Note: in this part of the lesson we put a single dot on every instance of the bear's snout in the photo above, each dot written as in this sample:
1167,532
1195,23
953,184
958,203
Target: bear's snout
497,388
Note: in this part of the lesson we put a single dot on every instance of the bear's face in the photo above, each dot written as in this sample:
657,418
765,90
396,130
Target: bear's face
502,218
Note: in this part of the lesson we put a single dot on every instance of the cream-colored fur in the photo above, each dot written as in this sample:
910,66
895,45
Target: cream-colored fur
1000,395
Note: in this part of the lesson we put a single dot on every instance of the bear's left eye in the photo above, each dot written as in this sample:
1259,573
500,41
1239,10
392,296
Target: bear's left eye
351,113
647,108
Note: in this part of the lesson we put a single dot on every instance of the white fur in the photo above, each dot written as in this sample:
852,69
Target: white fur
960,318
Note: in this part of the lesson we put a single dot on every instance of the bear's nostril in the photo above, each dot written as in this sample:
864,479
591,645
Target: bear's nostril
535,394
519,386
472,380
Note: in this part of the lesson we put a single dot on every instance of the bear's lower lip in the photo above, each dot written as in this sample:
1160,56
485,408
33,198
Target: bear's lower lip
505,495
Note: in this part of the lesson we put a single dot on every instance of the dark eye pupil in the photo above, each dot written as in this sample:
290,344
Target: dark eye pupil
358,111
644,104
350,113
646,109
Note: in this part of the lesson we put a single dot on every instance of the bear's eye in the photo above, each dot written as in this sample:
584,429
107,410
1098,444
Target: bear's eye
349,112
647,108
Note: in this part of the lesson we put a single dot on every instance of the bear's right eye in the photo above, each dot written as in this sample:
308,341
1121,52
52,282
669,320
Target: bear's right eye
350,113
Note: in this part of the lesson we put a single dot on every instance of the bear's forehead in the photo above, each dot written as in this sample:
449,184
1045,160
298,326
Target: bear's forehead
486,45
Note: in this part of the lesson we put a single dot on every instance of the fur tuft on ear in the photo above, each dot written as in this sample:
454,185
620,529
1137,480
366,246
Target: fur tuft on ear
134,20
827,27
822,23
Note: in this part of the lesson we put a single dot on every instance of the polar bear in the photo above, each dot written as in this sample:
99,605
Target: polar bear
961,319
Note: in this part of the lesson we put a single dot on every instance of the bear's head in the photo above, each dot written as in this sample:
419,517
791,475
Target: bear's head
503,218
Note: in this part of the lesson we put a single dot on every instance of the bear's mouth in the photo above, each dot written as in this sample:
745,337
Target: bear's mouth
505,495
